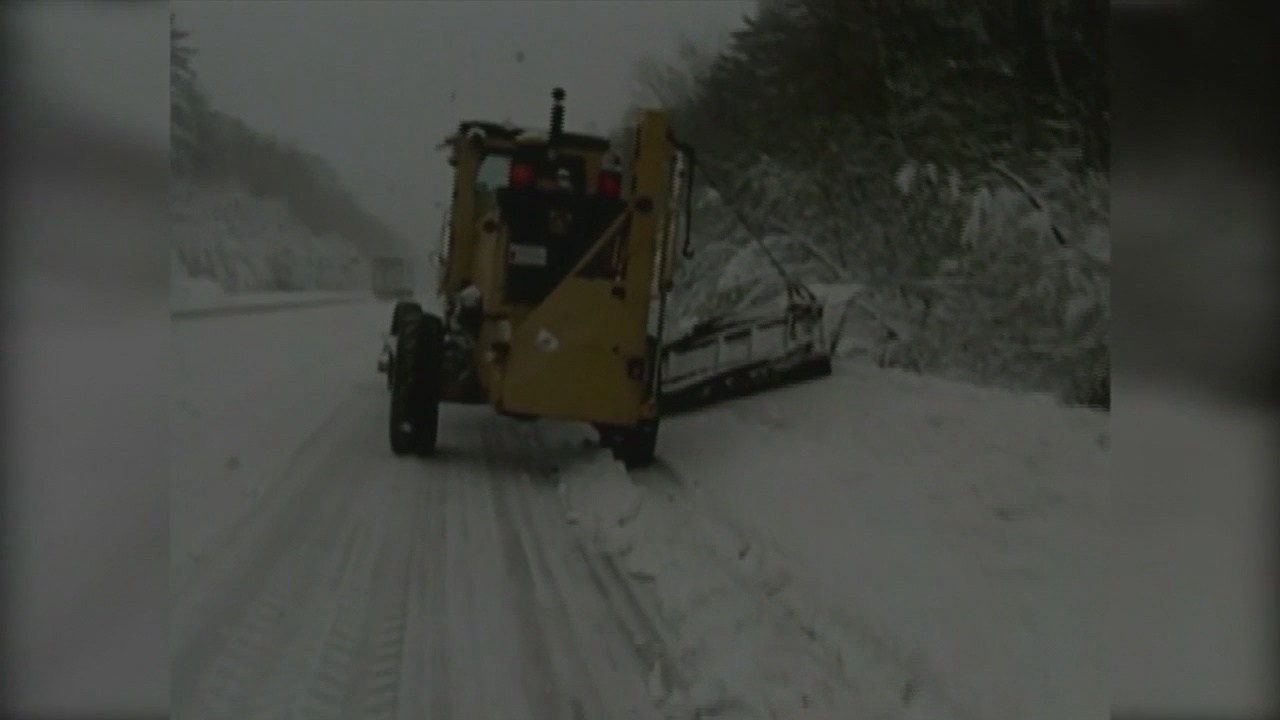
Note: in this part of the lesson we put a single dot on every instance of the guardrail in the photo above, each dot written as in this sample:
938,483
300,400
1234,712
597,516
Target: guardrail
264,302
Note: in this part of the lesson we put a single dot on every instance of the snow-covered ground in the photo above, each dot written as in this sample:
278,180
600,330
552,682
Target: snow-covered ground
186,291
947,538
314,575
873,544
248,390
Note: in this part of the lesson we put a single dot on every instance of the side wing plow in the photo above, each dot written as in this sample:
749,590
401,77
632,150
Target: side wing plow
748,353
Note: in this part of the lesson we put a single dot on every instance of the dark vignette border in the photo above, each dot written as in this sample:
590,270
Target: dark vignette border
1154,50
76,149
1200,73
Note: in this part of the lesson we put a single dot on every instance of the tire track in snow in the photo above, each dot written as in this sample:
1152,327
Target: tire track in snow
231,620
239,683
325,637
499,656
456,626
377,587
644,647
732,658
534,608
425,677
503,619
323,625
374,693
235,569
332,686
585,636
735,648
652,642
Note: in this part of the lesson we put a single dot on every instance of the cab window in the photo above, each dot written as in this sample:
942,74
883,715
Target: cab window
492,173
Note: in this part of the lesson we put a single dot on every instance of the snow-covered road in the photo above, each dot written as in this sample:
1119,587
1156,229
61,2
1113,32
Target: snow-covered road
315,575
363,586
873,545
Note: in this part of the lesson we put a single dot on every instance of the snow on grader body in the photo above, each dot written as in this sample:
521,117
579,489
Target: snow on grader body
554,279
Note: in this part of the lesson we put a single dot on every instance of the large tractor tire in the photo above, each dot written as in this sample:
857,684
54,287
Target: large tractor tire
397,318
398,313
635,446
415,393
822,366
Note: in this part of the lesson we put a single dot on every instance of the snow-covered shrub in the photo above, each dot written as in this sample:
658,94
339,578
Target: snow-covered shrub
1024,298
1000,277
745,252
250,244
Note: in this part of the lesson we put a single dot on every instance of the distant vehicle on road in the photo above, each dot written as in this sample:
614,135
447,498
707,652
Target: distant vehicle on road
392,278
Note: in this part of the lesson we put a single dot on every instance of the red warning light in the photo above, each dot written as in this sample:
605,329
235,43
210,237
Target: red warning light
520,175
609,183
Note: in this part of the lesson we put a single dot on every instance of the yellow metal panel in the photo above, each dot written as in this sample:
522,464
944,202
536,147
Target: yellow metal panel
563,365
569,356
461,255
490,268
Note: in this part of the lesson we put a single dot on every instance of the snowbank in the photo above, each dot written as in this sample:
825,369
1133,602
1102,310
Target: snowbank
725,657
228,238
202,295
186,291
878,544
968,526
201,305
742,639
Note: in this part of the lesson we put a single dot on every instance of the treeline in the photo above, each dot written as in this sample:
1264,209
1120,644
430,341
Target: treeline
950,157
210,147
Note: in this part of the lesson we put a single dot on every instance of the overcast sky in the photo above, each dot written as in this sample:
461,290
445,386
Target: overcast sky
367,84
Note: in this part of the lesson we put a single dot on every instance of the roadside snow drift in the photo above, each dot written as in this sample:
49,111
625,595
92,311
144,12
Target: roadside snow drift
742,641
880,544
229,239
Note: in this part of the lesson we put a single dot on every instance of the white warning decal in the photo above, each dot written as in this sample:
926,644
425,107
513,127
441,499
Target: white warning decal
545,341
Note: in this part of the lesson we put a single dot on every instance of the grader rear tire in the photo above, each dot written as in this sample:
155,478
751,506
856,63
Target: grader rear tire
398,312
415,395
635,446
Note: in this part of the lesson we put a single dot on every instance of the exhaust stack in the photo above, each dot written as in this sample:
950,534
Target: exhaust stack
557,118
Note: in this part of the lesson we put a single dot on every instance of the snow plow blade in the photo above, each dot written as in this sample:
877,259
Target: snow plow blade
744,355
742,383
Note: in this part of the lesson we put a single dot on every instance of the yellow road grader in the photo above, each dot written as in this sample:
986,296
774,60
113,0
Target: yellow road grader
554,279
555,270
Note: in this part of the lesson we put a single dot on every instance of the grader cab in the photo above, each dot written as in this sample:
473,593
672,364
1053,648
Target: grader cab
554,274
